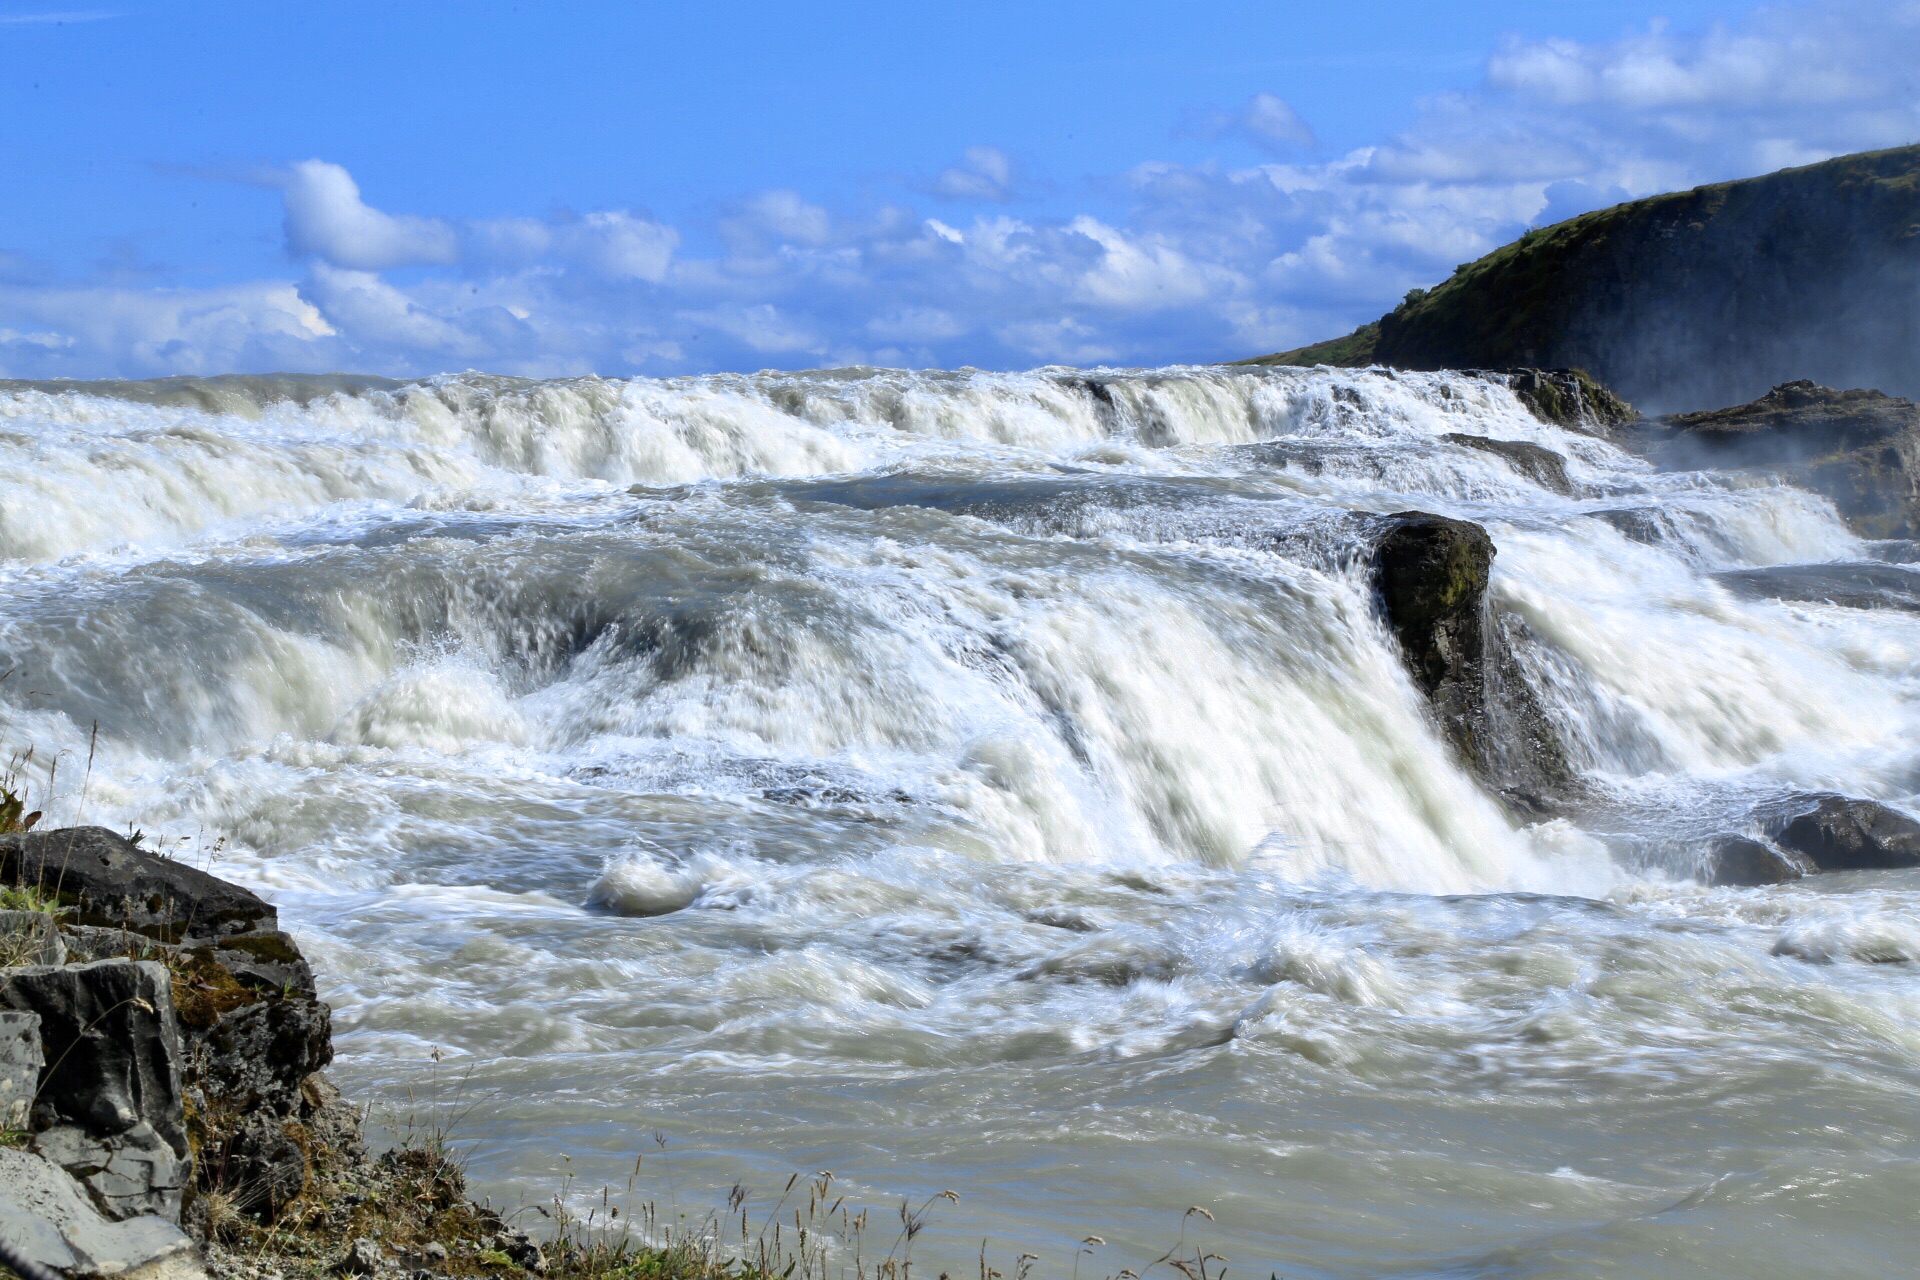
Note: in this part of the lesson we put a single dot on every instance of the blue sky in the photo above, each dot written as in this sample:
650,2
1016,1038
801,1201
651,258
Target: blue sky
661,189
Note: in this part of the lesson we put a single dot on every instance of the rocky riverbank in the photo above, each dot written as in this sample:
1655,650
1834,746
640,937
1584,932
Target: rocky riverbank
163,1101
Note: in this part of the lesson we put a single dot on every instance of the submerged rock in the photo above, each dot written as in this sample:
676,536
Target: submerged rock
1854,586
1745,861
1536,462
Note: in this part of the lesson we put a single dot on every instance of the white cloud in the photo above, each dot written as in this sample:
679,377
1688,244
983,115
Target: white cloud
326,218
364,305
92,332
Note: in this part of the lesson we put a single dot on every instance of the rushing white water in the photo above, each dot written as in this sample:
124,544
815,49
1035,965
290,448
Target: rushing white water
1003,782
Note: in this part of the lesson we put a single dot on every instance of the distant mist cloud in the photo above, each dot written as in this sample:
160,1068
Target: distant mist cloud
1266,120
983,174
1203,262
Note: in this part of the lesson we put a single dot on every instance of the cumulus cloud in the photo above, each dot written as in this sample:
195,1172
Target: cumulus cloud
1183,262
325,217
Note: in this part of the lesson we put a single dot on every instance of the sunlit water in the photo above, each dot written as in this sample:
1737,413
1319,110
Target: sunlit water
1003,783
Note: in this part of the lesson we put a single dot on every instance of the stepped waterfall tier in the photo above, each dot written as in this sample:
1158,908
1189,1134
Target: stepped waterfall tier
1433,838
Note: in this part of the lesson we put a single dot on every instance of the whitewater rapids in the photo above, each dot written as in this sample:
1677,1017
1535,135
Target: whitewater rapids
1003,782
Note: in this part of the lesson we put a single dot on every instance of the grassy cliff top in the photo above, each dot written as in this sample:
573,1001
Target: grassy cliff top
1513,306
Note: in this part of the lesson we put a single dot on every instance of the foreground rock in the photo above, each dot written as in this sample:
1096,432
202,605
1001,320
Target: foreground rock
109,1107
1431,575
47,1218
1859,448
103,880
1840,834
178,1046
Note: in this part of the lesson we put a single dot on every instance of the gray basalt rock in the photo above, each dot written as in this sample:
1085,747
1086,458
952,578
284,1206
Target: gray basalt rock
30,937
111,1042
106,881
109,1105
227,999
362,1258
1743,860
129,1173
1570,398
45,1215
21,1062
1431,573
1859,448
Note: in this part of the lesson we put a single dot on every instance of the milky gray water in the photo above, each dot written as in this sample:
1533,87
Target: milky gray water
1003,783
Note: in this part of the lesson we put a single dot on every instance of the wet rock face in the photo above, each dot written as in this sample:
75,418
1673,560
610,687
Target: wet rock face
104,880
1742,860
1799,416
1808,834
1836,833
1431,575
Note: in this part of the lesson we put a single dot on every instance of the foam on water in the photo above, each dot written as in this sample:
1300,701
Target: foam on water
997,778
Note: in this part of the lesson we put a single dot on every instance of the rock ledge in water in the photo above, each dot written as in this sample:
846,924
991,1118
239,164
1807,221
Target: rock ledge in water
1837,833
1859,448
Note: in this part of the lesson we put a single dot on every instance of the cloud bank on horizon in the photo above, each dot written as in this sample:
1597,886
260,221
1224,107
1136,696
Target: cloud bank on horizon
1209,261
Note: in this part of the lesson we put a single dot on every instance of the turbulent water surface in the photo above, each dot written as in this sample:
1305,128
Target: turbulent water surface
1003,782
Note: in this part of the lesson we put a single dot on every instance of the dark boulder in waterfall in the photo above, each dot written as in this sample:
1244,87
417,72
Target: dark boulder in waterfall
1859,448
1806,834
1431,575
1837,833
1745,861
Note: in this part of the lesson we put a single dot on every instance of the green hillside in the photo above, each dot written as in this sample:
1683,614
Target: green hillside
1695,298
